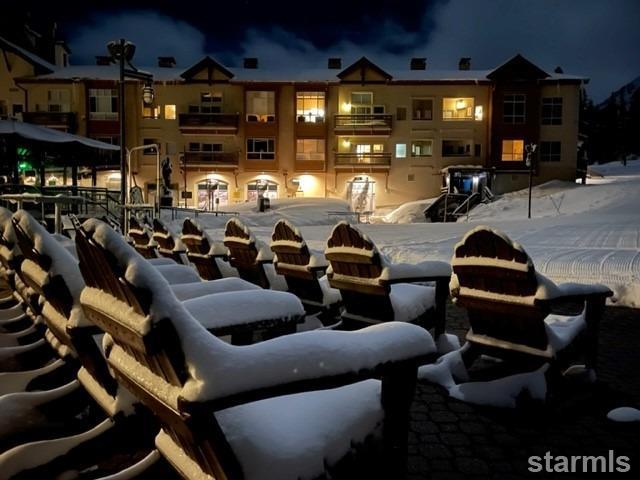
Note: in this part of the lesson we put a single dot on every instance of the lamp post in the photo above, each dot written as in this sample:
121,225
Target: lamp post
530,148
121,52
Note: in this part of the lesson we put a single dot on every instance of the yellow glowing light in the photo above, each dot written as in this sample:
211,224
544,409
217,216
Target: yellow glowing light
479,113
346,107
346,143
460,104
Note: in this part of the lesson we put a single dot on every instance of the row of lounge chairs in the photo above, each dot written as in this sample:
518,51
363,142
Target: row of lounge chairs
129,365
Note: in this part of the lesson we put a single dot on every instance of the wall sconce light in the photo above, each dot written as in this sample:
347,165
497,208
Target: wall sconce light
346,107
346,143
460,104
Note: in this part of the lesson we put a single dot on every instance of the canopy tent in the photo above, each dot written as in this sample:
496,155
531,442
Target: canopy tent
37,133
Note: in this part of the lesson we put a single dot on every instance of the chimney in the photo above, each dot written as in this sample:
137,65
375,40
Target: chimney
558,69
251,62
464,63
418,63
103,60
334,63
166,62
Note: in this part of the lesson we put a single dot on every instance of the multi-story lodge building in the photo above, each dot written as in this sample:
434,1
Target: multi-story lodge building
361,132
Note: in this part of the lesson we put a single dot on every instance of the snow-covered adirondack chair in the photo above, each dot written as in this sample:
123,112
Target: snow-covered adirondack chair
209,257
22,345
251,257
240,313
168,245
141,237
66,421
514,311
284,408
375,290
304,270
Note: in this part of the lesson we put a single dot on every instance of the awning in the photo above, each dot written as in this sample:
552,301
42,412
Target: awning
49,135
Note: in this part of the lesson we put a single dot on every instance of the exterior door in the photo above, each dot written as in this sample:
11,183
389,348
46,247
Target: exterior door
361,194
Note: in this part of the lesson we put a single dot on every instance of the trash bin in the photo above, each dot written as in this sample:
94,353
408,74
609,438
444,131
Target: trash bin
263,204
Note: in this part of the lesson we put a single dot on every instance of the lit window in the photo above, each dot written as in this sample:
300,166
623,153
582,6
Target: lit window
310,107
457,108
103,104
479,114
514,110
401,150
310,149
422,148
513,150
361,103
151,112
170,112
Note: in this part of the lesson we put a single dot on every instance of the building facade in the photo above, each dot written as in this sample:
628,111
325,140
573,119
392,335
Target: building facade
359,132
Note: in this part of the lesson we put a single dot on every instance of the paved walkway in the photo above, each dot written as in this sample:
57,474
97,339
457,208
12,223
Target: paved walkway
452,440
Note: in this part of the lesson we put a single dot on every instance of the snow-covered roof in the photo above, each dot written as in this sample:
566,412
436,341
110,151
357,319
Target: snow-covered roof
33,59
266,73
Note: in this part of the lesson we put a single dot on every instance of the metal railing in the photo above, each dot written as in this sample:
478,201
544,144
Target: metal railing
209,120
379,158
211,158
363,121
195,212
61,119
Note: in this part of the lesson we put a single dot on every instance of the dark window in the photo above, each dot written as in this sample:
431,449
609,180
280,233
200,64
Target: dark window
477,150
422,109
401,113
456,148
149,141
17,108
550,151
261,149
194,147
514,108
552,111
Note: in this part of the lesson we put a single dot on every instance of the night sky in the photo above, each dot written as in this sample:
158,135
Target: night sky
596,38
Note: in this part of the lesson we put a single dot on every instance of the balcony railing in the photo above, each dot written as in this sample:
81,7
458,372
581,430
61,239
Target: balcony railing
222,121
379,158
66,120
211,159
372,122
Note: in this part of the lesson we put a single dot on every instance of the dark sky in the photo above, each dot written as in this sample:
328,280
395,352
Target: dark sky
596,38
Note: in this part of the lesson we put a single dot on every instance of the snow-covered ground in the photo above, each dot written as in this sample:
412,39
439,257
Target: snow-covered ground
578,233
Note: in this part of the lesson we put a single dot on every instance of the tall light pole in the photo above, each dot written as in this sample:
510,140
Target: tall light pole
530,148
121,52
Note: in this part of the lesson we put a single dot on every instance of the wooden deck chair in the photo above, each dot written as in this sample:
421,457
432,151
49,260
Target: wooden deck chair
218,403
251,257
515,312
168,245
120,442
374,290
303,271
142,238
207,256
250,313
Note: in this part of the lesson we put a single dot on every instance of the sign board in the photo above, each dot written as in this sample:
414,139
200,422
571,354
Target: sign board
186,195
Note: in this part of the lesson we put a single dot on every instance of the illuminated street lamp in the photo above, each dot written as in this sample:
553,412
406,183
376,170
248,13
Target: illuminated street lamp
530,148
122,52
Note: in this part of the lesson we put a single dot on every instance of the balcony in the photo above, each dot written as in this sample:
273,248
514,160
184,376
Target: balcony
372,124
209,123
59,120
210,159
379,159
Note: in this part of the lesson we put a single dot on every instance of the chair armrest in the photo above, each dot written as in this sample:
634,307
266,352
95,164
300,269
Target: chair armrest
299,361
431,270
